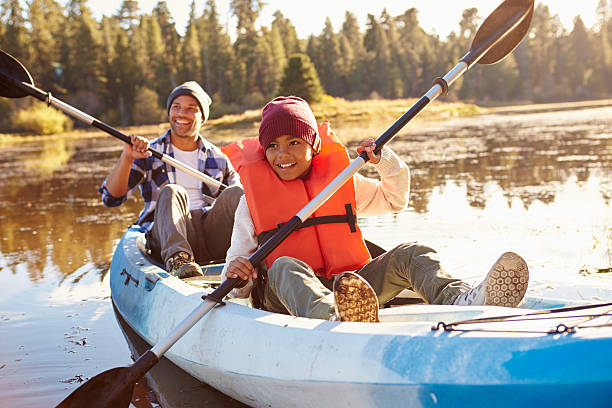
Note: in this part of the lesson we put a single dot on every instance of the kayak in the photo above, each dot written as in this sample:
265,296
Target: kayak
556,348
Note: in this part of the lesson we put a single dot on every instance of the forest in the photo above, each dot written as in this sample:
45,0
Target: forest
122,67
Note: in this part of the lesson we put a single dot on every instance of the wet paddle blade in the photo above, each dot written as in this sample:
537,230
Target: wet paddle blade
10,68
109,389
112,388
499,20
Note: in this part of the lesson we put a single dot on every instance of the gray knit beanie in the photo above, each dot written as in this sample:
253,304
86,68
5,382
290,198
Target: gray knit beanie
192,88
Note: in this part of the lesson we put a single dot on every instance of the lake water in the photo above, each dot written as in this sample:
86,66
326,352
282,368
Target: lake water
535,181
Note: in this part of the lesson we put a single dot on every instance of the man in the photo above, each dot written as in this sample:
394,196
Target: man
187,222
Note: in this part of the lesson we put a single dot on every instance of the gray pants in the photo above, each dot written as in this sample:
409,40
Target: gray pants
294,289
206,236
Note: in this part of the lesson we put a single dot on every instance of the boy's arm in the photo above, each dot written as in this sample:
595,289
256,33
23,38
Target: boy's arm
244,244
390,194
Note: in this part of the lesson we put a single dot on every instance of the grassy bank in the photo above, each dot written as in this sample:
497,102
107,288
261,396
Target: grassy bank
356,119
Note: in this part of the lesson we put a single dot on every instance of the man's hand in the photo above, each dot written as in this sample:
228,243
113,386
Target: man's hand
139,149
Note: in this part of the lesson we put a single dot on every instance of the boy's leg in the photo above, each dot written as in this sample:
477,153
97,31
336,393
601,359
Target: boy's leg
294,289
415,267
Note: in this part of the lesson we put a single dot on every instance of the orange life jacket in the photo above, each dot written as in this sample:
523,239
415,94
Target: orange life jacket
331,247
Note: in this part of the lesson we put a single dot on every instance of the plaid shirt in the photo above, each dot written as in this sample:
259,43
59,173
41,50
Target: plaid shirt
151,174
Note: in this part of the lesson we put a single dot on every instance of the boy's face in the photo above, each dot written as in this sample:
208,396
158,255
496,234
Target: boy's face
290,157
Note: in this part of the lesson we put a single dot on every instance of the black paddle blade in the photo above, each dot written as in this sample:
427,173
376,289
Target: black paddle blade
106,390
499,20
11,69
112,388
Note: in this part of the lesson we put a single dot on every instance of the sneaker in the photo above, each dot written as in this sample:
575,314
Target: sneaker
356,301
182,266
505,284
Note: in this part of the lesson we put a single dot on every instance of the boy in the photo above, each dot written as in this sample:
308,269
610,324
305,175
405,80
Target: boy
290,162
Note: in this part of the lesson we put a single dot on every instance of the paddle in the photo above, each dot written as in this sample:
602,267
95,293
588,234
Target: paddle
16,82
499,34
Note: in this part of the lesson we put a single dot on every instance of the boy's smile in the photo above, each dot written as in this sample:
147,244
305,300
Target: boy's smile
290,157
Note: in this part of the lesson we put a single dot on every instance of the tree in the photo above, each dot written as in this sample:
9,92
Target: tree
128,14
190,65
247,12
603,58
351,46
329,59
394,87
158,72
217,54
287,32
46,21
300,79
172,42
81,57
580,57
378,56
540,50
14,32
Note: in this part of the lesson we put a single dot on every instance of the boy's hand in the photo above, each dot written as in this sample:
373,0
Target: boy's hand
240,268
368,146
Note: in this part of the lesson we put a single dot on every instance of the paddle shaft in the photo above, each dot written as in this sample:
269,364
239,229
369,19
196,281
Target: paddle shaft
82,116
440,87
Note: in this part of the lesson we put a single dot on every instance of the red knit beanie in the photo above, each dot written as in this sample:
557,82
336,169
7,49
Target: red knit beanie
288,115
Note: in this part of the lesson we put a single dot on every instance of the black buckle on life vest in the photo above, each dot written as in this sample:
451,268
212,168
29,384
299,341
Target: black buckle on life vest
349,218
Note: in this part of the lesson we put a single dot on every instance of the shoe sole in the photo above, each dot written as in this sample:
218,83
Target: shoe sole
189,271
356,301
507,281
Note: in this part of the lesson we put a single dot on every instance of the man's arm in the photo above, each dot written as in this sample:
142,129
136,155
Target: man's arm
117,182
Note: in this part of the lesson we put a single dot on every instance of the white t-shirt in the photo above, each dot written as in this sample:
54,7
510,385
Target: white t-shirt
190,183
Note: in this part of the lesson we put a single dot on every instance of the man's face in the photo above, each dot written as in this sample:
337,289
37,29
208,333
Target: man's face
185,117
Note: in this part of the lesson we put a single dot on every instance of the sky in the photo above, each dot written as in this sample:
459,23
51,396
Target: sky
308,16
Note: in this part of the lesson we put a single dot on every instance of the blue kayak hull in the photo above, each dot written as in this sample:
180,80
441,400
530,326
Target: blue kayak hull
270,360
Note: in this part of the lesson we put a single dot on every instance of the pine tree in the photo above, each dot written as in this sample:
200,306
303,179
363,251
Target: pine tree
394,86
580,56
81,64
603,70
287,32
540,44
14,33
167,75
378,56
190,63
109,27
278,57
159,80
217,54
128,14
46,20
300,79
247,12
351,46
329,60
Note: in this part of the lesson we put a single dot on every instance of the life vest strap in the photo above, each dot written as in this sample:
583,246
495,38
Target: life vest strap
350,218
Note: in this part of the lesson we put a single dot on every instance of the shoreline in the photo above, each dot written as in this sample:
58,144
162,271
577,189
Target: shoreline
338,111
